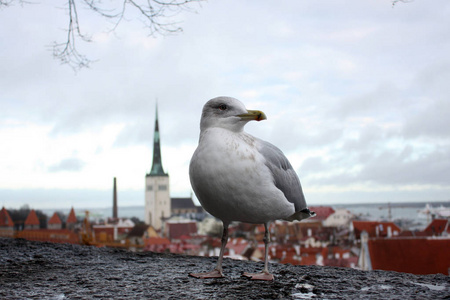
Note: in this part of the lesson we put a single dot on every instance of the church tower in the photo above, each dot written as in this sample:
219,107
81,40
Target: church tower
157,191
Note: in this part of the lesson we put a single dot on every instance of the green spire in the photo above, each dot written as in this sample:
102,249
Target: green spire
157,169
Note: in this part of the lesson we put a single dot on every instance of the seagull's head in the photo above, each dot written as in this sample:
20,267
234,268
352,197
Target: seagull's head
228,113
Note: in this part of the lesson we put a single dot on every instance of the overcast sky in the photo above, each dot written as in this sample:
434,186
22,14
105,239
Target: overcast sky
357,95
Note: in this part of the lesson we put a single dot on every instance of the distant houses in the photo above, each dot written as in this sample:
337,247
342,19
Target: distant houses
375,229
54,222
32,221
53,233
333,238
339,218
419,255
182,206
384,247
6,224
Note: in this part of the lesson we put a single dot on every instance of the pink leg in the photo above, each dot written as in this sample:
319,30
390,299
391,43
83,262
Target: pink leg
264,275
217,272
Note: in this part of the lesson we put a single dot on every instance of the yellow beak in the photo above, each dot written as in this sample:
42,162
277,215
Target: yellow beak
255,115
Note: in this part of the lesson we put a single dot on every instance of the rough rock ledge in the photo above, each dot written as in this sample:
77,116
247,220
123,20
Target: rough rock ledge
34,270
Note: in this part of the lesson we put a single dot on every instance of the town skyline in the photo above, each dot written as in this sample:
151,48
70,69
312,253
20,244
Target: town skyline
355,95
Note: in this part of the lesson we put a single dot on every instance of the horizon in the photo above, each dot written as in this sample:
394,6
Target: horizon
100,198
393,204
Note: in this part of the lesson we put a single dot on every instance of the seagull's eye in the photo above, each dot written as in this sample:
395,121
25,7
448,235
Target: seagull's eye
223,107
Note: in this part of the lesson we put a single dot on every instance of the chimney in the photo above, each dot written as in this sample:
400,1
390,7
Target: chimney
114,213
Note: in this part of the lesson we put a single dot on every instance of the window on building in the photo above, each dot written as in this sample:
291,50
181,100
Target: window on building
149,187
162,187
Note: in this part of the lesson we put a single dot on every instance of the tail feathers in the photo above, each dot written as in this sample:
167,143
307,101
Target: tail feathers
301,215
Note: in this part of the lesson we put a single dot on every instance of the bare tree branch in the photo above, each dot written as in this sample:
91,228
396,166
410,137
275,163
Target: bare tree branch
397,1
67,52
6,2
157,16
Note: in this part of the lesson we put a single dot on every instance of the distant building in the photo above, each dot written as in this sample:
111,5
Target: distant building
340,218
6,224
183,206
438,227
49,235
418,255
157,189
71,221
157,244
140,232
177,229
111,232
375,229
322,212
32,221
421,252
54,222
115,213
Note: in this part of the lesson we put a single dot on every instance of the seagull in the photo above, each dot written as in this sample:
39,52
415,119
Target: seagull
239,177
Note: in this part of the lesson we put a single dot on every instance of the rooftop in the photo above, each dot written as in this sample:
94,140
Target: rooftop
32,218
412,255
5,219
55,219
182,203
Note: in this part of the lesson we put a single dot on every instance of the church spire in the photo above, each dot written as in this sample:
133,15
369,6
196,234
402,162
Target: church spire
157,169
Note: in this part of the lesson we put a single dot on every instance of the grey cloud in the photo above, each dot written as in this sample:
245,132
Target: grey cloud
367,137
135,133
383,100
67,165
177,125
296,133
404,166
433,121
401,167
430,116
312,165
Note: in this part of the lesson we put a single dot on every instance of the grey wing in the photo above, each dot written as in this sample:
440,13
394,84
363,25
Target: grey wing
284,175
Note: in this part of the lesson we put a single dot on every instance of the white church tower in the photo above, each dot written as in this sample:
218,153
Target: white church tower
157,190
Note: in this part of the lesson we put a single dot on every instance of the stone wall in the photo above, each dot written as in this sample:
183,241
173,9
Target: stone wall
35,270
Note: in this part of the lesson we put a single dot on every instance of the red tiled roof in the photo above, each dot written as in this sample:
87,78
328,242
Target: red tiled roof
291,260
32,218
237,244
309,260
436,227
244,227
5,219
310,250
341,262
334,250
55,219
176,230
72,218
260,229
409,233
371,228
411,255
157,241
138,230
50,235
322,212
212,242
